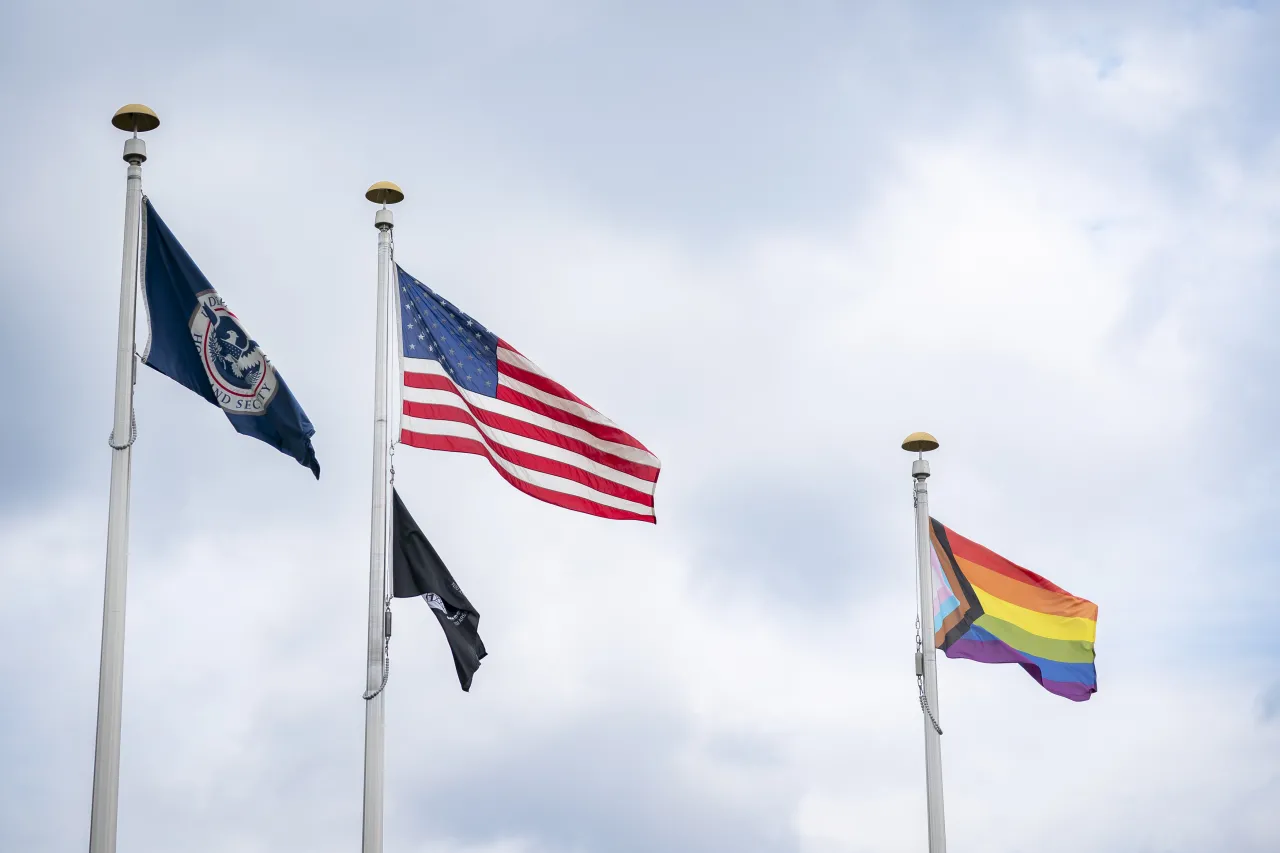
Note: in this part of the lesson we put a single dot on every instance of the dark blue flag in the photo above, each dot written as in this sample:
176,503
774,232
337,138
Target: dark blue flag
198,342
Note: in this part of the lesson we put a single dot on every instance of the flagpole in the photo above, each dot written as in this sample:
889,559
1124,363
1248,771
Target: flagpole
926,664
383,193
106,754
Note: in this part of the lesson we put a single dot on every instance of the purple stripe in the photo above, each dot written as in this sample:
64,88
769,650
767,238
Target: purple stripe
999,652
1072,690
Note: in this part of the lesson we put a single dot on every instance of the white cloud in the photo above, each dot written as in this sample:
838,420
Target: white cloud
1022,279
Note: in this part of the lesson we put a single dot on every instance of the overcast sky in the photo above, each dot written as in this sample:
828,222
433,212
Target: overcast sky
769,240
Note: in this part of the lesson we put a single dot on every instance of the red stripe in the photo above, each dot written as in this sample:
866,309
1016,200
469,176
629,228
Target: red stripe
975,553
604,432
470,445
436,382
546,436
542,383
537,379
433,381
533,461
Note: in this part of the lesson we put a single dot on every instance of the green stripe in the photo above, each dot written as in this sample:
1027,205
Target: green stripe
1066,651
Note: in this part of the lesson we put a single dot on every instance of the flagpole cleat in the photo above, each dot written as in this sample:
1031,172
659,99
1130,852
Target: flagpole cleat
384,192
919,442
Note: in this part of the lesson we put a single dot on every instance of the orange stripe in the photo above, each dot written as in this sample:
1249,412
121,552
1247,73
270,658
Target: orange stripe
969,550
1025,595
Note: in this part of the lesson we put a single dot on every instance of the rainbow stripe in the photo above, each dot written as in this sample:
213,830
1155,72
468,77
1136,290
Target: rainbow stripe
987,609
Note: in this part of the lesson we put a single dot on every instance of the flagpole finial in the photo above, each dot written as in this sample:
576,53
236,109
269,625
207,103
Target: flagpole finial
384,193
135,118
919,442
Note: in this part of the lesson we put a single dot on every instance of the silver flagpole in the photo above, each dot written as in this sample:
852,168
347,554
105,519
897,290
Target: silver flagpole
926,667
384,193
106,755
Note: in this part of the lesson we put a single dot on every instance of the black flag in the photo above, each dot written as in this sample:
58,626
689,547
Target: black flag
418,570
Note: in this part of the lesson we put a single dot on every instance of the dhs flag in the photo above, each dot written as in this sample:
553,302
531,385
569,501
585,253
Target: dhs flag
418,570
197,341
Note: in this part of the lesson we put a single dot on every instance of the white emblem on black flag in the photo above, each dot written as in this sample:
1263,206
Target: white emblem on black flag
417,570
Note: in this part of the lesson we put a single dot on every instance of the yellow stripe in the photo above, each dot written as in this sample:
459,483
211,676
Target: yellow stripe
1041,624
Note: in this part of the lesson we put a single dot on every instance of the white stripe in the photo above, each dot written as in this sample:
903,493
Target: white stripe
531,445
512,410
584,412
510,356
536,478
562,403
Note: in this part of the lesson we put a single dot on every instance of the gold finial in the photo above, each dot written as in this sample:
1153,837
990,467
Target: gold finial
384,192
135,118
919,442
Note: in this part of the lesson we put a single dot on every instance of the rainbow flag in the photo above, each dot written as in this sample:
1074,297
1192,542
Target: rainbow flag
987,609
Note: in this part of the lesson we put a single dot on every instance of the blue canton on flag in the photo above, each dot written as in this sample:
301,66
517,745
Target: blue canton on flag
436,330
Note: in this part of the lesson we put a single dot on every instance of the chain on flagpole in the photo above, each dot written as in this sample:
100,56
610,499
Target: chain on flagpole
924,700
133,433
386,666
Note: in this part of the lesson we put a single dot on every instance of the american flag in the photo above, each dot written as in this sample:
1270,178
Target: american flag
469,391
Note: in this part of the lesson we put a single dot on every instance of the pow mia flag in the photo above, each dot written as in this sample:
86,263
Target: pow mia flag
418,570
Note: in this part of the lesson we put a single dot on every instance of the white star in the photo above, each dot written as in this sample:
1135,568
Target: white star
431,347
422,337
413,346
471,322
410,325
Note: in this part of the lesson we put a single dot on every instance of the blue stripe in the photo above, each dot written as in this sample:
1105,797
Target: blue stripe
1051,670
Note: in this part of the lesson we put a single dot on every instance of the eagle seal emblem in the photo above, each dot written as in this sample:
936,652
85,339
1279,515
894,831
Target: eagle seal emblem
242,378
435,602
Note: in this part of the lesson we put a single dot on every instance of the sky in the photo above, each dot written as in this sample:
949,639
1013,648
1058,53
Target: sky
770,240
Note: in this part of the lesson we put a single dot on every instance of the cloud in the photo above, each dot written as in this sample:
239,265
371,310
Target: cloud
769,245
